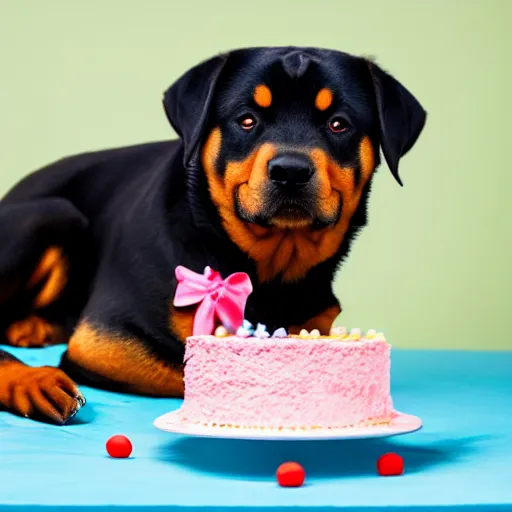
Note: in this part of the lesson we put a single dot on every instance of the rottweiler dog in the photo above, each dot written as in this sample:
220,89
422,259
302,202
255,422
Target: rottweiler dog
270,175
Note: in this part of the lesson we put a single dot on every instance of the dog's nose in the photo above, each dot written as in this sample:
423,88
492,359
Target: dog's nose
290,170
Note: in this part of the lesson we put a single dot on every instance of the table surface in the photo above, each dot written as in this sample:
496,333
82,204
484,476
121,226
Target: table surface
460,459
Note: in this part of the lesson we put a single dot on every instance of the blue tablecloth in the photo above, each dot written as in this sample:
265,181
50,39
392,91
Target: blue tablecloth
461,459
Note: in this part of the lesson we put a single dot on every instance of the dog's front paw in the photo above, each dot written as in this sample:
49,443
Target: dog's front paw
45,394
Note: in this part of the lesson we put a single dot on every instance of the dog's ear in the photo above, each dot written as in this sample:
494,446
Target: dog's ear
401,117
187,103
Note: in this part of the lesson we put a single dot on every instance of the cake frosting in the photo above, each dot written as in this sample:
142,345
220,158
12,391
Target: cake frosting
252,379
241,376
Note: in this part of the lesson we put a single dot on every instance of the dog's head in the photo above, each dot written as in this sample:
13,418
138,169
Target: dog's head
288,139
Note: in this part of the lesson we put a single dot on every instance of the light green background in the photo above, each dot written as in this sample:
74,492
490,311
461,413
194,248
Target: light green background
433,267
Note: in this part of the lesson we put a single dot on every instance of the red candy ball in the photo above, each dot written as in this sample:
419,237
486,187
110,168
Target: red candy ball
290,474
119,447
390,464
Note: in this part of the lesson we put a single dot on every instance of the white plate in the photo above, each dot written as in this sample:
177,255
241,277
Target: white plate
400,424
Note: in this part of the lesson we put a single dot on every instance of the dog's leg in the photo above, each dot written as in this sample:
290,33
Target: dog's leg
116,359
36,239
43,393
34,308
110,358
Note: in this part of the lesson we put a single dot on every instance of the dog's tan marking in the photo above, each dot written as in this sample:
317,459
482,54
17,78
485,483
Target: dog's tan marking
34,332
323,321
323,99
52,269
262,96
182,321
125,360
336,181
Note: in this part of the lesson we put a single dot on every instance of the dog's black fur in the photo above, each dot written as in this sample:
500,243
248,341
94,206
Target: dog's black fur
125,218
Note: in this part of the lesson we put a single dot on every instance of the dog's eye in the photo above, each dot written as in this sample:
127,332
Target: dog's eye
247,122
338,125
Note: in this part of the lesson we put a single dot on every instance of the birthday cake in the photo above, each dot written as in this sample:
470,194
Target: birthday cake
305,381
248,378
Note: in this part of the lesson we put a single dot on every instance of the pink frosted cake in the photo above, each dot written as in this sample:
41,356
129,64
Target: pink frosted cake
307,381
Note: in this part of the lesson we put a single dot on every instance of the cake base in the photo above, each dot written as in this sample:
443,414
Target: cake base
400,424
291,382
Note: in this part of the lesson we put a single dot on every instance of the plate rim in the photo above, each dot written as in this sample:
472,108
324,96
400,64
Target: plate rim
401,424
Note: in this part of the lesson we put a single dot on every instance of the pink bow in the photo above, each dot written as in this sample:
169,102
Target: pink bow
224,299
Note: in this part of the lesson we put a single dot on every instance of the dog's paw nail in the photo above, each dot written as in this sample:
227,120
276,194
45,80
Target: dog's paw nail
73,413
80,399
